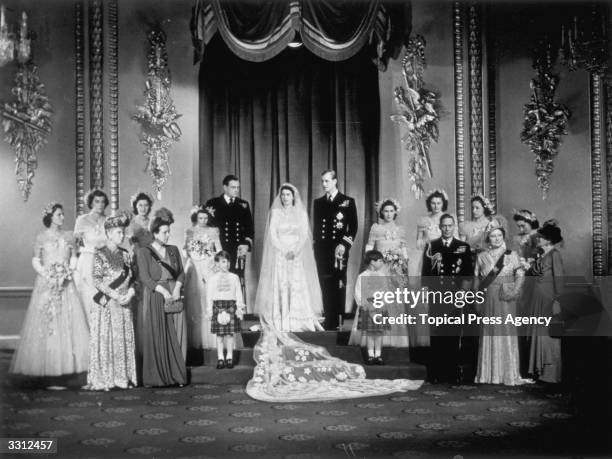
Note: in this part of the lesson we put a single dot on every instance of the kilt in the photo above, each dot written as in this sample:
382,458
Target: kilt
233,326
366,322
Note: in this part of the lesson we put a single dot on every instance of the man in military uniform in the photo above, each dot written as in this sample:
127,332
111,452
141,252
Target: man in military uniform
233,217
447,267
334,231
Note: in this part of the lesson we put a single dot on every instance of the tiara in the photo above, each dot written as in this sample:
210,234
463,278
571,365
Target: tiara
487,203
437,190
395,202
525,214
141,194
118,219
48,209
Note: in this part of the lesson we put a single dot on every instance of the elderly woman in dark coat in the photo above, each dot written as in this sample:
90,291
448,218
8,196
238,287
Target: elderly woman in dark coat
162,334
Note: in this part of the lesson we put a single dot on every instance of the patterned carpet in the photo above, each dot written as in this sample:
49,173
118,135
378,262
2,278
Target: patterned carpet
208,420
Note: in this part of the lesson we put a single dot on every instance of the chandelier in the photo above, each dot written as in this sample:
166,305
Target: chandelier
12,47
584,40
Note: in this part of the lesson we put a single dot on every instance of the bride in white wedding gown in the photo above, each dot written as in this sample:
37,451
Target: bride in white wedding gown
289,294
289,299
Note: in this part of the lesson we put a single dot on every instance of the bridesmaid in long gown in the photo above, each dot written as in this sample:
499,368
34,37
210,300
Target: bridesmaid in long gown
389,239
54,336
525,243
138,235
201,244
164,345
545,352
89,231
138,232
112,354
501,273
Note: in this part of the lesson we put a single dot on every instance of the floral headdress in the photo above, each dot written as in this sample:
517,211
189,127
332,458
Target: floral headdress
118,219
437,191
139,194
395,202
48,209
485,200
524,214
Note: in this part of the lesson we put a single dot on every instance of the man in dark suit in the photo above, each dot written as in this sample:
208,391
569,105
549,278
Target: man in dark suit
447,267
233,217
334,230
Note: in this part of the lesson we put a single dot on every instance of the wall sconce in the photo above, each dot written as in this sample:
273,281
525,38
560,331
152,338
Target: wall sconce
12,47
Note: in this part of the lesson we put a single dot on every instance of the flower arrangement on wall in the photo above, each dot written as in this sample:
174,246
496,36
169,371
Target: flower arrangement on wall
545,121
157,115
27,120
419,114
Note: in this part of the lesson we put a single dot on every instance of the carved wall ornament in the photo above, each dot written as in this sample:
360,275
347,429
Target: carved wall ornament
27,123
157,115
545,121
458,39
419,108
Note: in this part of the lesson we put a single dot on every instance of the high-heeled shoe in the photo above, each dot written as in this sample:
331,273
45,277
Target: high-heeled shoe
369,360
220,364
229,363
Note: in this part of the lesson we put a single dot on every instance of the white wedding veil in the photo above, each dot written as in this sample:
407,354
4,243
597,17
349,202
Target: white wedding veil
266,287
289,369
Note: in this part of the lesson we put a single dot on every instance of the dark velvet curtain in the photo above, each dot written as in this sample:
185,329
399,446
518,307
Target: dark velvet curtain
288,119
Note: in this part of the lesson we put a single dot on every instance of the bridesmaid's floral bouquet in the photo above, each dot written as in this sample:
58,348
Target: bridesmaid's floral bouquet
396,262
200,248
57,275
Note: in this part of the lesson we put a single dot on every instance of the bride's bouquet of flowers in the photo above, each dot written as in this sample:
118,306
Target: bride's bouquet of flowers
396,262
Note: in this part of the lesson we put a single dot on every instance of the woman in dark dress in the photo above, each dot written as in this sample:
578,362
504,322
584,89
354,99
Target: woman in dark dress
163,334
545,351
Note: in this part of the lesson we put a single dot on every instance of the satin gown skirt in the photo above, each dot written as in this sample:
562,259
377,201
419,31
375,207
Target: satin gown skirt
54,341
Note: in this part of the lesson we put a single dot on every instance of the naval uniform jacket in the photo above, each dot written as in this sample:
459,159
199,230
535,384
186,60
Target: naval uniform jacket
235,224
334,223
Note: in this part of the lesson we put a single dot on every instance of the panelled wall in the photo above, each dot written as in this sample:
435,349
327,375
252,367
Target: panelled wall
569,199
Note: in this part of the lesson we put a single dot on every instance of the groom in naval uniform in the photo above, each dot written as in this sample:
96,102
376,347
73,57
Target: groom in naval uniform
334,231
447,266
233,217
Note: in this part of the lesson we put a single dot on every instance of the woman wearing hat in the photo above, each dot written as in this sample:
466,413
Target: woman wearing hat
545,352
112,354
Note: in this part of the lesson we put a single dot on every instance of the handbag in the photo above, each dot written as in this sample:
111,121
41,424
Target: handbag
173,306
